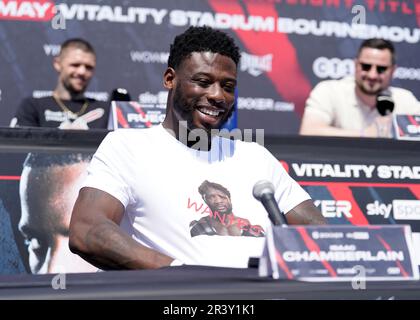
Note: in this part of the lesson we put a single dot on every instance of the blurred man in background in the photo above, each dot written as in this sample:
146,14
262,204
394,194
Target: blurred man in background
350,107
68,107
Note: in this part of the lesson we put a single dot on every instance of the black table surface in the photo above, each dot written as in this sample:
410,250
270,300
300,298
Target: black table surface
194,283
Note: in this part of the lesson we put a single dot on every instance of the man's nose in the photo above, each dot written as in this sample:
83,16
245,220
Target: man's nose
216,94
81,70
373,73
219,199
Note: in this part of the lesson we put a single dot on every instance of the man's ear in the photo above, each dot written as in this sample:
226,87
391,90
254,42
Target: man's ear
57,64
393,68
169,78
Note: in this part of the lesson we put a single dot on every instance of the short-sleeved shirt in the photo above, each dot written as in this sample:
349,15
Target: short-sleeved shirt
45,112
157,180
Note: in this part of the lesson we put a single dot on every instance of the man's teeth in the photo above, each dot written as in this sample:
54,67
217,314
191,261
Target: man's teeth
209,112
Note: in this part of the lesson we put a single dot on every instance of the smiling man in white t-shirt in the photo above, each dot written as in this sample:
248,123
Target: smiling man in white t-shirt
141,194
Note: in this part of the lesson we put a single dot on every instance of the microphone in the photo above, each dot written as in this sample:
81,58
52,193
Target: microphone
384,103
120,94
264,191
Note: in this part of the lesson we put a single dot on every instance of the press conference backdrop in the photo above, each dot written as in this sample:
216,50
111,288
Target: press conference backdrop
287,47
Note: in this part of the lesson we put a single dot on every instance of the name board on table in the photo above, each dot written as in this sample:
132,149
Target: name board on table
407,126
131,114
339,253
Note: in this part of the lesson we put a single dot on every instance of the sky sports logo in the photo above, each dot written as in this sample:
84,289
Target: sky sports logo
40,10
400,209
406,209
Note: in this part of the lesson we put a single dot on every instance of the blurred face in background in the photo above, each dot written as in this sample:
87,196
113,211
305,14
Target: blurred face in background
374,69
47,198
75,67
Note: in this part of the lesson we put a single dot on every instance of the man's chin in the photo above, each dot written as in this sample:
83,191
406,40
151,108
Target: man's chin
209,129
370,91
76,90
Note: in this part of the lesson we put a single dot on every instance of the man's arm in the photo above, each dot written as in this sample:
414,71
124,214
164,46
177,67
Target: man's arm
26,114
316,126
305,213
95,235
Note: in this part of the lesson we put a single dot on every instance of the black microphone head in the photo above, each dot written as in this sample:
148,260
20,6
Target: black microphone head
120,94
262,187
384,103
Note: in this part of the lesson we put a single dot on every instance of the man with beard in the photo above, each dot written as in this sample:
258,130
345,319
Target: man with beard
221,220
348,107
137,203
68,107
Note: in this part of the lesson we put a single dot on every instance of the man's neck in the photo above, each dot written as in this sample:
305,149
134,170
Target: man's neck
63,93
180,131
367,99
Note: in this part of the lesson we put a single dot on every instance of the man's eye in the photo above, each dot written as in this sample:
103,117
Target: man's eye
203,82
230,88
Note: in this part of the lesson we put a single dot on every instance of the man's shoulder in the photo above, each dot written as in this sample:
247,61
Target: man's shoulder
132,135
336,84
37,103
98,103
250,147
405,101
38,100
400,91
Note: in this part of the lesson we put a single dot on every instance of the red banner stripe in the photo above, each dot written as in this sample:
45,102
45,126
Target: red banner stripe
388,248
286,74
312,246
283,265
121,119
359,184
340,192
9,177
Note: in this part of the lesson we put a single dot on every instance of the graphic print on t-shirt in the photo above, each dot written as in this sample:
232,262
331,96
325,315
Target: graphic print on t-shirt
70,120
221,219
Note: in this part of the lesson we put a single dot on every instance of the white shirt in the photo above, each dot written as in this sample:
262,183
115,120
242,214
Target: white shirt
156,178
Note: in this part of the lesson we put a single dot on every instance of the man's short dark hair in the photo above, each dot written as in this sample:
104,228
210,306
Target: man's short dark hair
46,160
202,39
77,43
380,44
204,188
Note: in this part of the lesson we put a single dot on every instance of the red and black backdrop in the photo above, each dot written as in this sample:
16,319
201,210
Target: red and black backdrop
287,47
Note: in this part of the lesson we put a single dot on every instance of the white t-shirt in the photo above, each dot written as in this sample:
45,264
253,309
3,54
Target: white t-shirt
156,178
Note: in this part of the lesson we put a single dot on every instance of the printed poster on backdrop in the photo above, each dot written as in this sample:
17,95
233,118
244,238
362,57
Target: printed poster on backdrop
362,193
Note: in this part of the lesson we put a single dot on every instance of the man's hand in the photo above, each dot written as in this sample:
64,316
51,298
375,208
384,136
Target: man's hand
96,236
381,127
78,124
